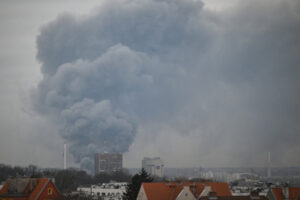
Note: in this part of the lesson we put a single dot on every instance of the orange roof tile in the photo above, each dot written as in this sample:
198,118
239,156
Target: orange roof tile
222,189
157,191
293,193
278,193
37,190
41,183
4,188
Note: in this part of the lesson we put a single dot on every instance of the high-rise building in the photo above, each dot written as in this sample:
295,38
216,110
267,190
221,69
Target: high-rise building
108,162
153,166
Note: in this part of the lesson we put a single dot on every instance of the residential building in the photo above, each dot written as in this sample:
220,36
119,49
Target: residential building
153,166
108,162
182,191
29,189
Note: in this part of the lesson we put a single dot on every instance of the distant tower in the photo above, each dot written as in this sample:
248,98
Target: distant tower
153,166
269,164
65,156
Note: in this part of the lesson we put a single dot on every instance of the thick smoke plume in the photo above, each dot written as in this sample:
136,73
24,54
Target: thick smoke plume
224,85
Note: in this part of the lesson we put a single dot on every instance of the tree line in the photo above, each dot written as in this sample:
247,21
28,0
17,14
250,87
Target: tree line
65,180
68,180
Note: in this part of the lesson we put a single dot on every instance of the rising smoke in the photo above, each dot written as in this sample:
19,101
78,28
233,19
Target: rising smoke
227,81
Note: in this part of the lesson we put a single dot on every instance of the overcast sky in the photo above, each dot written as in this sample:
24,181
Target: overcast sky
198,83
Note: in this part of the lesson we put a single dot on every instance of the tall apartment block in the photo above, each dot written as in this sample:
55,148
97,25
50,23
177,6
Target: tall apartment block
108,162
153,166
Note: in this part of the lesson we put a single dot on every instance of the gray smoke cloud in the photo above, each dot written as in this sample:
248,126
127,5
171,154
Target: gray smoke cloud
226,84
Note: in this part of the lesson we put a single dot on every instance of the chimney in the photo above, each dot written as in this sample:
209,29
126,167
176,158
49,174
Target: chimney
269,165
65,156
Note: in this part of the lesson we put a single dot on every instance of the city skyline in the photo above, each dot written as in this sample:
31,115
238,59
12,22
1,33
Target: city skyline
197,83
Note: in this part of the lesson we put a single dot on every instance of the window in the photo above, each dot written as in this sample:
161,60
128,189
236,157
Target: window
49,191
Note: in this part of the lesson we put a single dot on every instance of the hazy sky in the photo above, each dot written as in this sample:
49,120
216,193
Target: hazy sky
197,83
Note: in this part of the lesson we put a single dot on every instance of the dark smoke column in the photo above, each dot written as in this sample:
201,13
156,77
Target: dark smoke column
85,98
102,78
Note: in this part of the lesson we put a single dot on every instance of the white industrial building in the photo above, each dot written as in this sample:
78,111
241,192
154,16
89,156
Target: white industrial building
106,191
154,166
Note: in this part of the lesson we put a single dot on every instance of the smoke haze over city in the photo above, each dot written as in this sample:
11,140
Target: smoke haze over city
196,83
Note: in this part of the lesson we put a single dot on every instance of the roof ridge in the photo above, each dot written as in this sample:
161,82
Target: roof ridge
42,189
173,192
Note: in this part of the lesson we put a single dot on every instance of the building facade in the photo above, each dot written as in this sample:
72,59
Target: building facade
108,162
153,166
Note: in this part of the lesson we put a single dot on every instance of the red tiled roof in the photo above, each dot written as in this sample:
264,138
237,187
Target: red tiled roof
278,193
38,188
293,193
4,188
222,189
157,191
234,198
41,184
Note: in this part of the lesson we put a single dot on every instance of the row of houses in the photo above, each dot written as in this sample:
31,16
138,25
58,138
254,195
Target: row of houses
184,191
209,191
44,189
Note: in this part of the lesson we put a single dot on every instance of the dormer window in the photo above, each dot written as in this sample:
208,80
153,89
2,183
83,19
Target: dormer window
49,191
